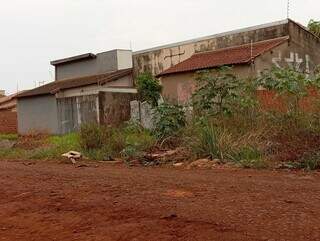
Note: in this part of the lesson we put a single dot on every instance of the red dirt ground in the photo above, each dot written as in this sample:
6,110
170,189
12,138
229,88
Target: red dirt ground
48,201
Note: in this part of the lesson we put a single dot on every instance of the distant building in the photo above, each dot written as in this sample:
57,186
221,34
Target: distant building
8,115
9,103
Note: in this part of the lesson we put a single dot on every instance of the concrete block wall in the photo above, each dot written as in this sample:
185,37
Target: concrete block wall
161,58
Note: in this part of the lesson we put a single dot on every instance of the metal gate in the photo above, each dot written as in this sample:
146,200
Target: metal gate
74,111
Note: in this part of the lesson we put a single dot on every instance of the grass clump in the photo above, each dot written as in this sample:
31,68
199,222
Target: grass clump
310,161
49,147
207,140
93,136
248,157
105,143
94,141
10,137
14,153
137,141
56,146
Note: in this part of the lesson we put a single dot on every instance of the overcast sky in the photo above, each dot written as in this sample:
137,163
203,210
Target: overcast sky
34,32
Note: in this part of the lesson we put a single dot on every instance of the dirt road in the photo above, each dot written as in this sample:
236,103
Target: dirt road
60,202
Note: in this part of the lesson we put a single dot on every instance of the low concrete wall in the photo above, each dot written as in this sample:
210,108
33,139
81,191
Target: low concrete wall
8,122
143,113
38,114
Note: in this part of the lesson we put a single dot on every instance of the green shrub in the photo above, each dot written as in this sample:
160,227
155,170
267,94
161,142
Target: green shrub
93,136
137,140
130,152
169,119
310,161
314,27
149,88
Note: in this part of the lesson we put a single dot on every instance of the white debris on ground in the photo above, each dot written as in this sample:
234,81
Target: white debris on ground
204,163
73,156
179,164
6,144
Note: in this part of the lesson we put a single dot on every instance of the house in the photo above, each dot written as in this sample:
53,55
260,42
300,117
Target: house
250,51
8,103
87,88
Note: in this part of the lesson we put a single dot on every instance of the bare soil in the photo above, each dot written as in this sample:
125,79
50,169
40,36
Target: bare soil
49,201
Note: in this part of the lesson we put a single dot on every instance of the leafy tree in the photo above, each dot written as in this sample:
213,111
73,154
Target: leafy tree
149,88
220,91
314,27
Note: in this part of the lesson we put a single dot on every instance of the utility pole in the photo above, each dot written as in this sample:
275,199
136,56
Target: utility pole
130,45
288,9
41,83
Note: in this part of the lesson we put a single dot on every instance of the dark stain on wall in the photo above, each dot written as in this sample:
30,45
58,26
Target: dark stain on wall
114,108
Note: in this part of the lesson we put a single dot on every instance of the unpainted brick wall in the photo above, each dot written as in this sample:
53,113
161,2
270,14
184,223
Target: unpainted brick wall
8,122
270,101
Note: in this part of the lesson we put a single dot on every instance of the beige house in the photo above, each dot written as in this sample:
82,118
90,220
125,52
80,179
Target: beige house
248,51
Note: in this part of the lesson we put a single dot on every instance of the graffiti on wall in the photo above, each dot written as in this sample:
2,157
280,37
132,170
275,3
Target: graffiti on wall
295,60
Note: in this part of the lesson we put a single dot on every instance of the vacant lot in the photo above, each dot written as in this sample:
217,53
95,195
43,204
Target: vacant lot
41,201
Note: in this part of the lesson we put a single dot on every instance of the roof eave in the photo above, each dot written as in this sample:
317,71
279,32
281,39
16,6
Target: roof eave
73,59
125,72
204,68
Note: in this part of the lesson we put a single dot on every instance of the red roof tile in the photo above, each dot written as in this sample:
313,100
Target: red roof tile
227,56
56,86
